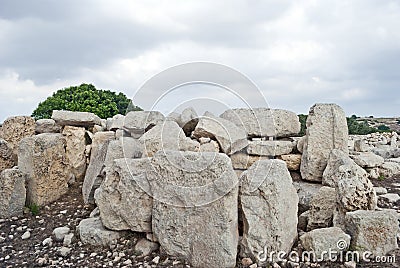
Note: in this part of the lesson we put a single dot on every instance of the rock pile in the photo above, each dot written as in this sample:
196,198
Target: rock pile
200,187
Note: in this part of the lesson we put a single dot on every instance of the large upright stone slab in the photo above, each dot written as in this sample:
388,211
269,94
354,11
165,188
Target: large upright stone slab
264,122
94,175
6,155
122,203
12,193
195,207
138,122
14,129
43,159
167,136
326,130
269,201
75,150
230,137
78,119
374,231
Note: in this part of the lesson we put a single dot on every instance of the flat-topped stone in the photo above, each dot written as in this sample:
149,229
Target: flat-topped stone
270,148
78,119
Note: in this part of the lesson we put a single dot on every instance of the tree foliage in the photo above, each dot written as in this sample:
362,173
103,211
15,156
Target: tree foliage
85,98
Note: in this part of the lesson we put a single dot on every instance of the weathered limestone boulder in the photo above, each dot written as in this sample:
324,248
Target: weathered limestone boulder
390,197
6,155
269,201
75,150
360,146
374,231
230,137
92,232
138,122
188,120
211,146
300,144
306,191
12,193
167,136
94,175
388,169
242,160
43,159
145,247
123,204
326,130
336,159
354,192
325,240
47,126
368,160
78,119
292,161
116,122
195,207
124,147
14,129
321,210
270,148
264,122
387,151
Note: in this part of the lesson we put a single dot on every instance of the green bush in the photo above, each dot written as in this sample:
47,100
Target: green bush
85,98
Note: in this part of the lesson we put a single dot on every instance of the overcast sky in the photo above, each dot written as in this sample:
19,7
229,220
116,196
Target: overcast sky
297,52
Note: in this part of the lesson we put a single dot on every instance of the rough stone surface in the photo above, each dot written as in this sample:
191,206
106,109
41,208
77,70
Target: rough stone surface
374,231
305,191
12,193
242,160
270,148
138,122
326,130
14,129
325,240
336,159
300,144
211,146
354,190
388,169
125,147
167,136
269,201
387,152
321,210
368,160
43,159
78,119
188,120
92,232
94,175
6,155
47,126
146,247
75,150
197,194
116,122
360,146
391,198
264,122
123,204
292,161
60,232
230,137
